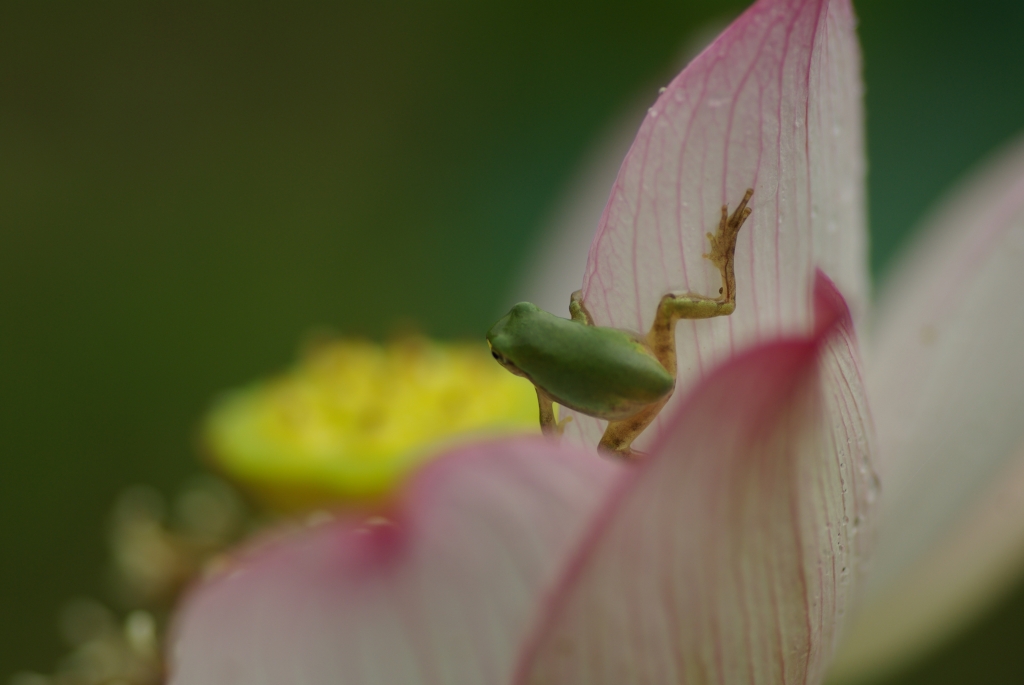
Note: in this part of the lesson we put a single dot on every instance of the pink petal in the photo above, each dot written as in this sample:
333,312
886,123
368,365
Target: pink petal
947,393
444,594
732,553
775,105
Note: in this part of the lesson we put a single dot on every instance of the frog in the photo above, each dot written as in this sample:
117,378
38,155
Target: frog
620,376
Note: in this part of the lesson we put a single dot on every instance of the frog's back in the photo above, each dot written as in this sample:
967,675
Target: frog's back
603,372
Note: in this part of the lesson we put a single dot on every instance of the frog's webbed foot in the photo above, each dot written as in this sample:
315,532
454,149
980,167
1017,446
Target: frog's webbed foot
560,425
626,454
723,245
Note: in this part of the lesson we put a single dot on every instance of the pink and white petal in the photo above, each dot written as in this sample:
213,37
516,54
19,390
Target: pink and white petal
947,392
773,104
443,592
732,553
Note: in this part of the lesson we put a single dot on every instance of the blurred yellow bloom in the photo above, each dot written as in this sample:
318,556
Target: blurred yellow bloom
353,418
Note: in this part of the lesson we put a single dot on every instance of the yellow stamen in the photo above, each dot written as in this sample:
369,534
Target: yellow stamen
353,418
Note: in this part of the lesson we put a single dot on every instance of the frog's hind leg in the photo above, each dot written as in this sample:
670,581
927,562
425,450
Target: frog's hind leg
661,339
662,336
619,435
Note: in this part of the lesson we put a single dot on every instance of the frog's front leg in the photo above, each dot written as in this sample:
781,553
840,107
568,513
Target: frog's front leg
661,339
549,425
578,311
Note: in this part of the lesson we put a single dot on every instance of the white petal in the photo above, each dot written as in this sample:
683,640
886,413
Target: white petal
947,394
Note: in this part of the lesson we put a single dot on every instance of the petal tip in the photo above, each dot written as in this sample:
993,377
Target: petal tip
830,308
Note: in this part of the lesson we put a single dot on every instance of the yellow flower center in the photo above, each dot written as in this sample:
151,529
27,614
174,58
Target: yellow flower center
353,418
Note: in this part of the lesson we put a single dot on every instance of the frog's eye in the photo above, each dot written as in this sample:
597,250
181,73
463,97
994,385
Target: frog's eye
501,359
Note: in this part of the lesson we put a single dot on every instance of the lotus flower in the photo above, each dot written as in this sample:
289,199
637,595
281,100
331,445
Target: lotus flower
736,551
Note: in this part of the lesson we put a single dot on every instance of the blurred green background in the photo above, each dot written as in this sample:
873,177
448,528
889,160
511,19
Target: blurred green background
187,189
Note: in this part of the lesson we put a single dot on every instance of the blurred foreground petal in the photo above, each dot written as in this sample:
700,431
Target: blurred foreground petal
947,394
443,593
731,554
773,104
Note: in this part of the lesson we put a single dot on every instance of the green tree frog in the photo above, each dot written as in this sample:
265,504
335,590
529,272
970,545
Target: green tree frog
609,373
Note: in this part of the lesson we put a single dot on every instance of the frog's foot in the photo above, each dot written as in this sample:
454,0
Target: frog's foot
555,428
723,245
628,454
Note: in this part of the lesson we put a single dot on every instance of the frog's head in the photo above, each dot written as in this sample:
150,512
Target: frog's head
512,333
